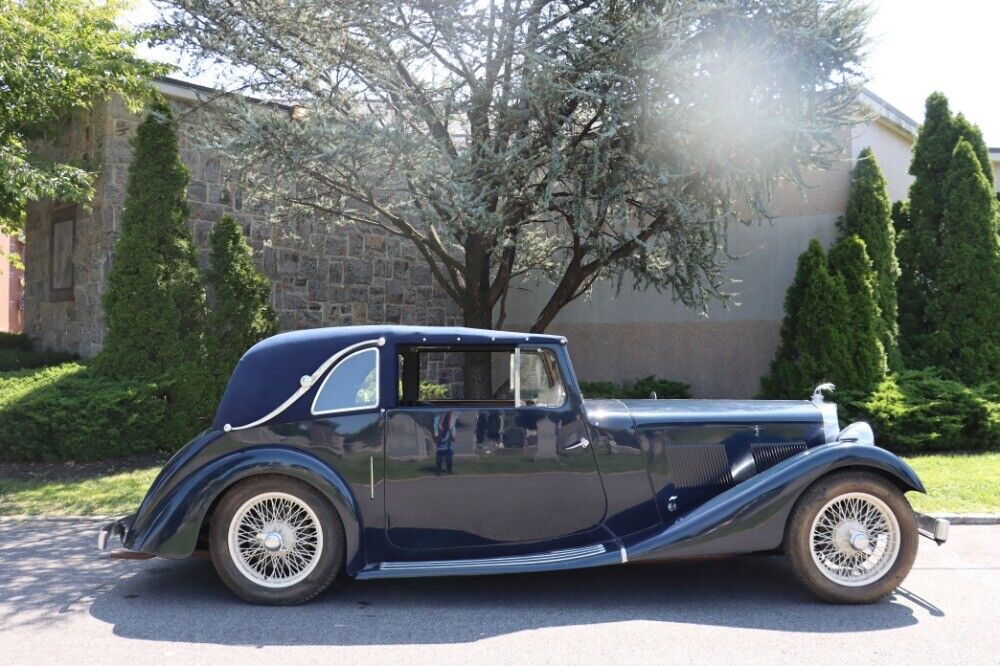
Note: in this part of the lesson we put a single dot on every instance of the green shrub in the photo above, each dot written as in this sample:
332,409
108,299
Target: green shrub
241,313
69,412
640,389
920,411
15,341
432,391
18,359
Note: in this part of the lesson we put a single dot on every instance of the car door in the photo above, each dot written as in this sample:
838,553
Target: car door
488,472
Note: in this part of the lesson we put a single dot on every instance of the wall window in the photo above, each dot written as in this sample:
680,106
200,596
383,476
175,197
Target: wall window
352,384
61,254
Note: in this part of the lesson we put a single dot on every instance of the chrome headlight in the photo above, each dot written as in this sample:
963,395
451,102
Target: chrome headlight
859,433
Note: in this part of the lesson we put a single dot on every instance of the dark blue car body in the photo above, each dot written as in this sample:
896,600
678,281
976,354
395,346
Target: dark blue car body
587,483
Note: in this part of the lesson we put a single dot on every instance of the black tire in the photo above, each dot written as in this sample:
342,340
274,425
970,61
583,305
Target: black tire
331,555
798,545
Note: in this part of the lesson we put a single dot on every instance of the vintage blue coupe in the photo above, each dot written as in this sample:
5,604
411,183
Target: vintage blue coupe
396,451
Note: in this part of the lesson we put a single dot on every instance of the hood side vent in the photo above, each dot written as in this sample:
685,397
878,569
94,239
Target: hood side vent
699,465
767,455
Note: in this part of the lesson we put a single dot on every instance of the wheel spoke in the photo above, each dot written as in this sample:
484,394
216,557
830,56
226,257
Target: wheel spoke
275,540
854,539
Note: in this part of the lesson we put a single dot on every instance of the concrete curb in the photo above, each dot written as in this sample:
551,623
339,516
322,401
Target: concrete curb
969,518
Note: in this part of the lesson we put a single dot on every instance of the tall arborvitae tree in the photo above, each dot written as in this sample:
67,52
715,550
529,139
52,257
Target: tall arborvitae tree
868,216
920,254
155,303
864,328
964,311
241,313
814,344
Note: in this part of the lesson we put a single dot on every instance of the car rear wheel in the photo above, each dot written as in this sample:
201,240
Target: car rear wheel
852,538
276,540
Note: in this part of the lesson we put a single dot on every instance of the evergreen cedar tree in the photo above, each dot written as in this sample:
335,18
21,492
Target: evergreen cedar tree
242,313
869,216
864,325
920,244
964,309
155,303
814,345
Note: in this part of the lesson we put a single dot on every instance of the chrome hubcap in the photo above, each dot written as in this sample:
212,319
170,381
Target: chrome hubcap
275,540
854,539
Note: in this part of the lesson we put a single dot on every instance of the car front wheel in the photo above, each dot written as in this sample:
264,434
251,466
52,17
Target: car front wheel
852,538
276,540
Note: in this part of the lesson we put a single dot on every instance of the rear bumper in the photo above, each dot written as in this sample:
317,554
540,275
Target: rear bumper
118,529
935,529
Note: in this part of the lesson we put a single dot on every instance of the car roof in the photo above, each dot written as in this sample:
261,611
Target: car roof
270,371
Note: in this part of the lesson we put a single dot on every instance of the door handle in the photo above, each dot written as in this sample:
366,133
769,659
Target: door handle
582,444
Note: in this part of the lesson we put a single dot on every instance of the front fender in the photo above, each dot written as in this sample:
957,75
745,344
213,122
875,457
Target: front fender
170,528
752,515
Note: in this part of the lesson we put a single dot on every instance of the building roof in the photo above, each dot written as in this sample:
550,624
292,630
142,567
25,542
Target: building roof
272,371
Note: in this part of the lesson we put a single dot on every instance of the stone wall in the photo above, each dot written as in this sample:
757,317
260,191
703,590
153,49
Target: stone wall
324,274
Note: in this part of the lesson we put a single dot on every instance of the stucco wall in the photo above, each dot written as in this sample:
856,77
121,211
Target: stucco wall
724,353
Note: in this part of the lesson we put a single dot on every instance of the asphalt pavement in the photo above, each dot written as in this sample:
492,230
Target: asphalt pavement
61,602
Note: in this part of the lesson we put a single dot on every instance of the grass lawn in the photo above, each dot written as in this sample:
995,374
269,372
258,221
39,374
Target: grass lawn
105,495
956,484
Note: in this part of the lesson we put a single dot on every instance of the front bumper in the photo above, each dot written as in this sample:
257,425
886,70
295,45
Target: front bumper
119,528
933,528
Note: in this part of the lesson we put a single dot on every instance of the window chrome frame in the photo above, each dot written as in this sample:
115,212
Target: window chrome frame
355,408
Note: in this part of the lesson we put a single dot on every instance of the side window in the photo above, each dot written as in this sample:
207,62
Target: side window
481,376
352,384
540,381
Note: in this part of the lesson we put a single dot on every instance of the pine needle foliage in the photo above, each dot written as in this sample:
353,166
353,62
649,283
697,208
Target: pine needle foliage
869,216
241,312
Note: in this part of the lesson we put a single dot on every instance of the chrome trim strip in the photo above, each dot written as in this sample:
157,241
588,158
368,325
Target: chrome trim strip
305,384
517,377
371,474
624,555
564,555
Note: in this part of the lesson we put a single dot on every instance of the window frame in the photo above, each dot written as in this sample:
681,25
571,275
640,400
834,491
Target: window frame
356,408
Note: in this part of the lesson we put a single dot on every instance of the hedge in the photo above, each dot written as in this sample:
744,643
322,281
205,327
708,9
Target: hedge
639,389
15,341
19,359
68,412
919,411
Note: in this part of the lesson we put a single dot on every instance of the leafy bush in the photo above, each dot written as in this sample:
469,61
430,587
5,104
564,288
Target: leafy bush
432,391
69,412
640,389
18,359
921,411
15,341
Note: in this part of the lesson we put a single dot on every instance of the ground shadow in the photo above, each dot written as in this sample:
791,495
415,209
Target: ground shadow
50,570
184,601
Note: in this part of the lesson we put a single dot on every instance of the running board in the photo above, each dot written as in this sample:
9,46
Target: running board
568,558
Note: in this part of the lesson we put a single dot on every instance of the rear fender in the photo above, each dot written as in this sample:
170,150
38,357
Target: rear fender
752,515
171,528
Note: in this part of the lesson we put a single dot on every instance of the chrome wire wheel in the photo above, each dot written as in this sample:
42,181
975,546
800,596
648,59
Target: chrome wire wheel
854,539
275,540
